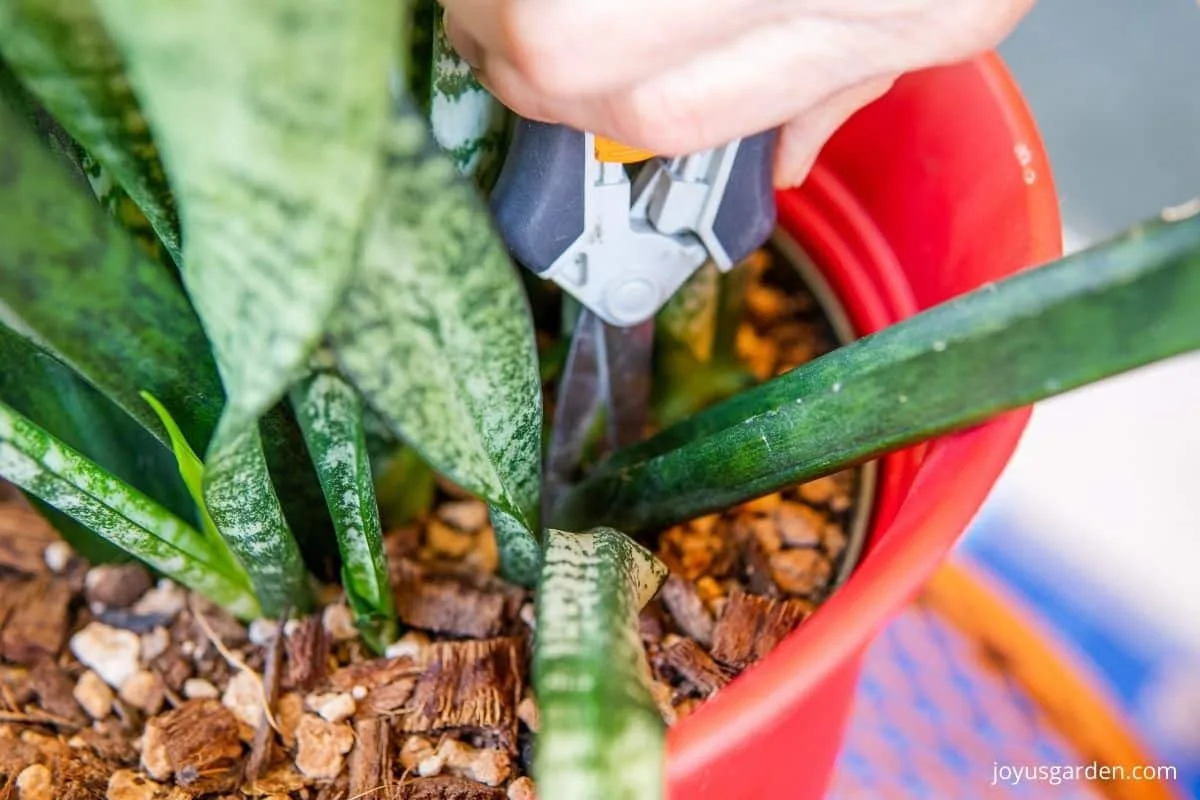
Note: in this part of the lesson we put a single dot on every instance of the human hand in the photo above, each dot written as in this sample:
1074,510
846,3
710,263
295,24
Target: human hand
678,76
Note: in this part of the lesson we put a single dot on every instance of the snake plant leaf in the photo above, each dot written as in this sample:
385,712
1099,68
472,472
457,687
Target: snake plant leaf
254,530
73,282
1118,306
331,415
520,552
191,470
62,53
241,498
62,477
601,734
696,364
78,286
467,120
436,333
269,118
38,386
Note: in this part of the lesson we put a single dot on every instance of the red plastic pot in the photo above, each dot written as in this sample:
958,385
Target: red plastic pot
937,188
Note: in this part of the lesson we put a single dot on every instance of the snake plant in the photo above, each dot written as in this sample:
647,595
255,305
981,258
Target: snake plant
244,256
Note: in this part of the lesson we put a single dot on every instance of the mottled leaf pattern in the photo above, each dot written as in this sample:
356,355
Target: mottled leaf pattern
436,332
520,553
242,501
269,117
331,415
74,282
60,476
601,735
468,122
1118,306
62,52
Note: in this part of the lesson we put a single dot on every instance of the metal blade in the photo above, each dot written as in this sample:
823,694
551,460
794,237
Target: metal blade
627,356
607,370
577,402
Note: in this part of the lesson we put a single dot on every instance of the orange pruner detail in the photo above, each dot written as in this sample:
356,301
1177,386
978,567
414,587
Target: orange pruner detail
610,151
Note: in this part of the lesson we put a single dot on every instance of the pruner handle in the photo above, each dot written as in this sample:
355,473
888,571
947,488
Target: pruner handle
746,213
538,199
539,205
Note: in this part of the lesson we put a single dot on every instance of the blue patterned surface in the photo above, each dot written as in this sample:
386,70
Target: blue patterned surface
931,721
1155,679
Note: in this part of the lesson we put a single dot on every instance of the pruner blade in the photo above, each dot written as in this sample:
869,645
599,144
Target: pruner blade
607,373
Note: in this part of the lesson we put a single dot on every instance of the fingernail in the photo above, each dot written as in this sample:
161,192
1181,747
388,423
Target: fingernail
463,43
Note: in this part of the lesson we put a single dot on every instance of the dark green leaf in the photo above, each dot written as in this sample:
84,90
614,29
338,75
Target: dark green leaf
40,387
81,287
77,285
37,386
269,117
1113,308
61,51
436,334
418,60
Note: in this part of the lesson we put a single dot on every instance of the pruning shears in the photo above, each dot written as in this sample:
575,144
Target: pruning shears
570,211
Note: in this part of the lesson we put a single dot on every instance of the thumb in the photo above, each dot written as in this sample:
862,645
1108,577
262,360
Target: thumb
801,140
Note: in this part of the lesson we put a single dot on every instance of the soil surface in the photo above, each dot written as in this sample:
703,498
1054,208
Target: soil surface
115,686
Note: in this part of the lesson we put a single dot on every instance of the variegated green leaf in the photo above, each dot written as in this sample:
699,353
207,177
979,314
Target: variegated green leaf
63,478
241,499
63,54
269,116
436,333
601,735
38,386
72,281
77,285
468,122
331,415
520,552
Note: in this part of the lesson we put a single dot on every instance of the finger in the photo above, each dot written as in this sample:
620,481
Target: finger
747,87
578,47
801,139
755,83
504,81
